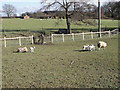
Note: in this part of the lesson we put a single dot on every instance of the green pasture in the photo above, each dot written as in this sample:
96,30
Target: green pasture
61,65
51,25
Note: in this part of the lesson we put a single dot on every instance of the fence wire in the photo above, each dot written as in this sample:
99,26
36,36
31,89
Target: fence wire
57,38
82,36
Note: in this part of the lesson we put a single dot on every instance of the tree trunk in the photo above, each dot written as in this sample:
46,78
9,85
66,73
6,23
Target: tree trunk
99,19
8,15
67,22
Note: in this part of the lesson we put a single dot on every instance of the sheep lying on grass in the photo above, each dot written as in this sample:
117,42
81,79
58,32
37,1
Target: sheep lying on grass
32,49
86,47
24,49
101,44
92,47
89,47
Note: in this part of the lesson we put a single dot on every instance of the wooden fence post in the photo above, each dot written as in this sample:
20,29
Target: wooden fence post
19,41
73,36
80,35
109,33
100,35
83,36
32,39
63,37
92,35
5,41
118,32
52,38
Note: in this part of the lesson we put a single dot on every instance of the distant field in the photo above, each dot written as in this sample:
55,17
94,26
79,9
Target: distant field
62,65
50,24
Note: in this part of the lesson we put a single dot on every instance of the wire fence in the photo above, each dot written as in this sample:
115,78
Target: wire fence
56,38
82,36
17,41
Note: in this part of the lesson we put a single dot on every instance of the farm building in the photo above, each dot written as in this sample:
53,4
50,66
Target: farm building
26,17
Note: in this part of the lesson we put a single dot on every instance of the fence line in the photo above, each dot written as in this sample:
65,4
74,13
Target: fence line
83,35
16,38
63,37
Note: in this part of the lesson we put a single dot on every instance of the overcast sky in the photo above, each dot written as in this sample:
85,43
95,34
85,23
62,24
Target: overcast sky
33,5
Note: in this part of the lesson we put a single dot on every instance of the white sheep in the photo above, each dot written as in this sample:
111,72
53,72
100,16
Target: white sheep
92,47
101,44
32,49
89,47
86,47
24,49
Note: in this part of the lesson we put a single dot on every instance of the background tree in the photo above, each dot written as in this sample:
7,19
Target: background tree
9,10
65,5
85,13
112,10
26,13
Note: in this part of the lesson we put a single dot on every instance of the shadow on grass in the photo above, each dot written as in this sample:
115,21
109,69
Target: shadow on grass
84,50
19,52
81,50
50,29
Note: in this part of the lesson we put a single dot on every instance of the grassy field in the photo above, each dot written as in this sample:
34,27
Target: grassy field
62,65
51,24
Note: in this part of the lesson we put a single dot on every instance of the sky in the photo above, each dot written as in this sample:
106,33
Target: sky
33,5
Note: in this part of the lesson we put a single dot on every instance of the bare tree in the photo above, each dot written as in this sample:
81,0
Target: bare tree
65,5
85,13
9,10
112,9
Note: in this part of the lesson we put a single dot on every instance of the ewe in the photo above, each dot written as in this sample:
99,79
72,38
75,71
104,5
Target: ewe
101,44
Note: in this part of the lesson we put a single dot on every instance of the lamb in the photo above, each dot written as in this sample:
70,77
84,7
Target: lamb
89,47
86,47
32,49
101,44
92,47
24,49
